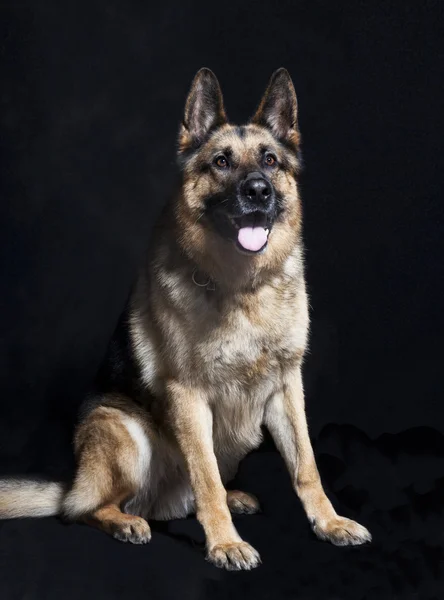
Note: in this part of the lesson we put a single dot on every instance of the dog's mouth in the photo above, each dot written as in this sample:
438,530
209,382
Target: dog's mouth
251,232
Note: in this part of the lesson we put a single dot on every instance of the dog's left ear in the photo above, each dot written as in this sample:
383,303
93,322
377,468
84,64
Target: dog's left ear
204,110
278,110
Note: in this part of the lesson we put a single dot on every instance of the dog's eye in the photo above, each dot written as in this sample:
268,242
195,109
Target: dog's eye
270,160
221,162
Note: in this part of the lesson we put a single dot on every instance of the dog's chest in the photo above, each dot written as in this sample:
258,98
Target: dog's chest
237,428
233,351
242,359
243,371
245,346
234,348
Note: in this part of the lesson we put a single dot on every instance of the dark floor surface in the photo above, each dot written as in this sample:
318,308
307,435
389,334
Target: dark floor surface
394,485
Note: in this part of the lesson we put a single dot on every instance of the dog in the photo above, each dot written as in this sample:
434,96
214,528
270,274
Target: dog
209,348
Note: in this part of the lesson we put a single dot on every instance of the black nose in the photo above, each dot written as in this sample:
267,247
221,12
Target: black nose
257,189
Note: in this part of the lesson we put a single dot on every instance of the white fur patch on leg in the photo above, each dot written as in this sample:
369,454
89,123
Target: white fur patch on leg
140,438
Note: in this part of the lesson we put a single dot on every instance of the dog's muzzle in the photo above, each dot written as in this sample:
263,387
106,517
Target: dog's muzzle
258,205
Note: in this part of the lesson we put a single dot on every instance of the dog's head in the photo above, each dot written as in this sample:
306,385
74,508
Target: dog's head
239,199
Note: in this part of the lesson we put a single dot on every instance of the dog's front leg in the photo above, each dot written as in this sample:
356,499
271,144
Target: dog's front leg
192,423
286,421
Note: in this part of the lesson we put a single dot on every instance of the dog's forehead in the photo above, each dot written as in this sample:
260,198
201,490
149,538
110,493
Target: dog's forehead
241,139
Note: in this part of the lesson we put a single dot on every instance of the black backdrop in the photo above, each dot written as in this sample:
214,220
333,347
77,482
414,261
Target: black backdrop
91,98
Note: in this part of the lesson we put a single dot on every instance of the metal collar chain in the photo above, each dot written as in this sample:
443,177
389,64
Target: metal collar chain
202,280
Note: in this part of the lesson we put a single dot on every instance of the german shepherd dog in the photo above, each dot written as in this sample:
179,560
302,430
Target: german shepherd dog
209,349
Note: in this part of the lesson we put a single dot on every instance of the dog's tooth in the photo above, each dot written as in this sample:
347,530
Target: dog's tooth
267,231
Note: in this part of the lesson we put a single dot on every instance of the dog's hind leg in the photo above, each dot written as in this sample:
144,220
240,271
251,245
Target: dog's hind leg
241,503
126,528
114,453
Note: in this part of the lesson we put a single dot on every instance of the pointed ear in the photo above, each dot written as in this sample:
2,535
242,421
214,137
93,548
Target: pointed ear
204,110
278,110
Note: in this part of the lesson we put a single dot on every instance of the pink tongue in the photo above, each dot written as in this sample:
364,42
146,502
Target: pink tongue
252,238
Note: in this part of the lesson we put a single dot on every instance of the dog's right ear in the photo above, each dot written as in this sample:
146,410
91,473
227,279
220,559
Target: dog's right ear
204,110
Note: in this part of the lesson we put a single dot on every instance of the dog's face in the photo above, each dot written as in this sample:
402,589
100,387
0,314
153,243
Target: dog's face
240,188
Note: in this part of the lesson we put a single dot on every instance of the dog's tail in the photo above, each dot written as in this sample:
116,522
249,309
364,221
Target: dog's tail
28,498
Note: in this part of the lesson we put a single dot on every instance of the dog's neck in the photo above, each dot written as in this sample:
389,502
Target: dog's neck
219,267
215,273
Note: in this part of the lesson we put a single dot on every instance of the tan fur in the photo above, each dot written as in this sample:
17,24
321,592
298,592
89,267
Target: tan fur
107,470
125,528
242,503
216,363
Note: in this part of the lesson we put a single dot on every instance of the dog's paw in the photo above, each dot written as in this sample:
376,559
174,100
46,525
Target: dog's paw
235,556
342,532
242,503
135,530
